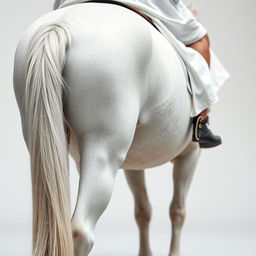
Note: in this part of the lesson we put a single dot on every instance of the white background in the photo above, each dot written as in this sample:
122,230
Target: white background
221,208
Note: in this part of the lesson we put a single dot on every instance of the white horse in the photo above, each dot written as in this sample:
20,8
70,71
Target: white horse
124,104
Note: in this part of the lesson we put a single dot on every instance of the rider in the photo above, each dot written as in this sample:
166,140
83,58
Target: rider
181,22
178,24
187,29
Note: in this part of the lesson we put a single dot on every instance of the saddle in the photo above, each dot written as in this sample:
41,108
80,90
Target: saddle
125,6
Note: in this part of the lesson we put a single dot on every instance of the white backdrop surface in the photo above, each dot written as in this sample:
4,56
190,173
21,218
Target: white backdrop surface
221,207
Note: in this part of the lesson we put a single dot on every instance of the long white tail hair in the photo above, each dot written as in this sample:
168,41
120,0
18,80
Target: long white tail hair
47,142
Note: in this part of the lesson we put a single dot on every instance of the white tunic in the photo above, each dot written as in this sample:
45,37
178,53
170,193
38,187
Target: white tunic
176,22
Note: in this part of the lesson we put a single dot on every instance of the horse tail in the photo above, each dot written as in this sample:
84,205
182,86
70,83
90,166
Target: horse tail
47,142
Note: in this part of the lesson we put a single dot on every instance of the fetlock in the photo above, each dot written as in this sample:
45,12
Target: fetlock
83,239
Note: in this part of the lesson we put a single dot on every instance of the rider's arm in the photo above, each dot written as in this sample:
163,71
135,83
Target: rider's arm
183,24
191,32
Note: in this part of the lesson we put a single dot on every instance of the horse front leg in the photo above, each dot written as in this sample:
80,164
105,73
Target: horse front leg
183,171
136,182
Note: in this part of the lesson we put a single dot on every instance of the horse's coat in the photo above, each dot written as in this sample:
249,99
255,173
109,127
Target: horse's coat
118,77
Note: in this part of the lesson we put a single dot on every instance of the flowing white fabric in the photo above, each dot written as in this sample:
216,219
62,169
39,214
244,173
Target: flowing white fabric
176,22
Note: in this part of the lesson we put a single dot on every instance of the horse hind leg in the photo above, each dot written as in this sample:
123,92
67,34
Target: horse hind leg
183,171
103,144
136,182
98,168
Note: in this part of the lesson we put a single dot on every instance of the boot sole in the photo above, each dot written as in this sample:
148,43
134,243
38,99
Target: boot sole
208,145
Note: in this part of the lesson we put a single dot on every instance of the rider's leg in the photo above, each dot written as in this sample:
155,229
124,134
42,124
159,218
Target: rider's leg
183,171
204,113
202,133
136,182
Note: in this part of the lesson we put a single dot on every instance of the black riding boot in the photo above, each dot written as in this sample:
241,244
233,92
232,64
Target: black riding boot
202,134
